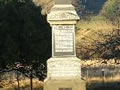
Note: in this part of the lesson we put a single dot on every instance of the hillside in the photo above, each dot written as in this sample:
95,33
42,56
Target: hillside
97,31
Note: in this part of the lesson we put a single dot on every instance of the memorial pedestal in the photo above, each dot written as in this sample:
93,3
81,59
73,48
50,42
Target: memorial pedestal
64,73
70,84
63,69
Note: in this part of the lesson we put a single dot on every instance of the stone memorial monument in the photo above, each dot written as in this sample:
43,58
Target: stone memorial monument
63,68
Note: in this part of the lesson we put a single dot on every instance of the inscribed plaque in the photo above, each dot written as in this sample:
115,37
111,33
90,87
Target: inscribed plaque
63,39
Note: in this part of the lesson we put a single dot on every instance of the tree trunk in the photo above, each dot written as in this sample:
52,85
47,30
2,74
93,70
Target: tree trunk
31,82
18,81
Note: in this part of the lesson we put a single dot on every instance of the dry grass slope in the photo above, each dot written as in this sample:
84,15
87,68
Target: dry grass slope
8,85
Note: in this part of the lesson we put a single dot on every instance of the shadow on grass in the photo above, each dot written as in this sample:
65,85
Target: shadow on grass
103,86
22,89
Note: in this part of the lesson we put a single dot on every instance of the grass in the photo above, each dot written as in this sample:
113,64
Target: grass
106,80
103,86
90,34
93,82
95,23
8,85
90,27
94,78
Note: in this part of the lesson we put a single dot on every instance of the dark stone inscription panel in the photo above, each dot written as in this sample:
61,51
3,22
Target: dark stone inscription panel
63,40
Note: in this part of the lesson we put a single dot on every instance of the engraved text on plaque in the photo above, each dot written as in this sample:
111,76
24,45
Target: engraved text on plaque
63,39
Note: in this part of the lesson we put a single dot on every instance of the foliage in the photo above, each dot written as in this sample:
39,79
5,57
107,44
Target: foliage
111,11
87,8
80,7
105,46
46,5
97,38
25,35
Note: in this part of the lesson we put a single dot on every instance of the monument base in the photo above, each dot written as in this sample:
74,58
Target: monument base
64,73
64,85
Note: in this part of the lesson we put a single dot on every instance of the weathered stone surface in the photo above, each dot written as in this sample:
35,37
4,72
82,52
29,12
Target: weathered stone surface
63,16
64,68
62,12
74,84
63,2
